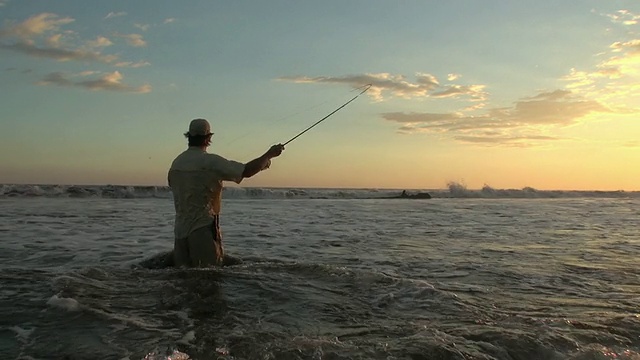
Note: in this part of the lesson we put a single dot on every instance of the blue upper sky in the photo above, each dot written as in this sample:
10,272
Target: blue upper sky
510,94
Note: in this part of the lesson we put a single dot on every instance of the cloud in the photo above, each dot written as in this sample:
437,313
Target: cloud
505,140
58,53
523,124
624,17
131,64
99,42
386,85
108,82
558,107
134,40
632,46
41,36
54,40
3,2
474,107
115,14
473,91
169,20
143,27
613,79
35,26
610,87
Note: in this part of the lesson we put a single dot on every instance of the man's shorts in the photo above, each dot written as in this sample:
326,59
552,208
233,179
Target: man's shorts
202,248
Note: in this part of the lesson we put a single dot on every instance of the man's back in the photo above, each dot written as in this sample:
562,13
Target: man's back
195,178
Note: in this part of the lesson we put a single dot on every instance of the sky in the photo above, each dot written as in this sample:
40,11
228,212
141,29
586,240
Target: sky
506,94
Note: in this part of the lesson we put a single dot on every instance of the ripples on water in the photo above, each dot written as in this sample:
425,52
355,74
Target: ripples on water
325,279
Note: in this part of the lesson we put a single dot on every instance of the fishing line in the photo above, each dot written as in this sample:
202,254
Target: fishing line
366,87
279,120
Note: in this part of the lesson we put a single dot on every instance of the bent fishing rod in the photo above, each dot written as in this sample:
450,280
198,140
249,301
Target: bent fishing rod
366,87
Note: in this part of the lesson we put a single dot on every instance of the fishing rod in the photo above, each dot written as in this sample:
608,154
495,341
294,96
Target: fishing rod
366,87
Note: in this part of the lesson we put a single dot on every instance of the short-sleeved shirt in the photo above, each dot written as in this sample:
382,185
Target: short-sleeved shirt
195,178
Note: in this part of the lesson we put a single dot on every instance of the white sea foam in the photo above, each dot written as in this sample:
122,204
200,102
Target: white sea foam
188,338
22,333
68,304
175,355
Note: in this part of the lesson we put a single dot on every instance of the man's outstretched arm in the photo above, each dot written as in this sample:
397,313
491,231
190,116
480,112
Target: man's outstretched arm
263,162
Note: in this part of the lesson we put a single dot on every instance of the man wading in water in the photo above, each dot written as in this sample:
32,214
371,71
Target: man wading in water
195,178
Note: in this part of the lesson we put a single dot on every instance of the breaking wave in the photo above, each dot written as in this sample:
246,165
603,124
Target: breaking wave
453,190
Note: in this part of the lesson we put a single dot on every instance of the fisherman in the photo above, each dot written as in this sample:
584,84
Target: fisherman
195,178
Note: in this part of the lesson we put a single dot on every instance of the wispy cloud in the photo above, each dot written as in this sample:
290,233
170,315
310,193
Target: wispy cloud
624,17
633,46
497,139
476,92
107,82
58,53
607,88
386,85
42,36
134,40
523,124
3,2
169,20
614,80
130,64
115,14
99,42
35,26
143,27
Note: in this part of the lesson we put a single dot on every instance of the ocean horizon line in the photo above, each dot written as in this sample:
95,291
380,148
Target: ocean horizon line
454,190
444,188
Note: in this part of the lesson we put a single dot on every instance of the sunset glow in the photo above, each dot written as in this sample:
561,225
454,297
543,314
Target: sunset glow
543,94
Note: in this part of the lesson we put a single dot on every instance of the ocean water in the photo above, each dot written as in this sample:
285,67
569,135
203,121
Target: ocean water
326,274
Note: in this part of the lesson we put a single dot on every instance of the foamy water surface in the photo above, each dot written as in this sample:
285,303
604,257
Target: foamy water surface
332,278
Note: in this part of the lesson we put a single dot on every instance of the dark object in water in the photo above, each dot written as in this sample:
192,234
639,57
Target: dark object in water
422,195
